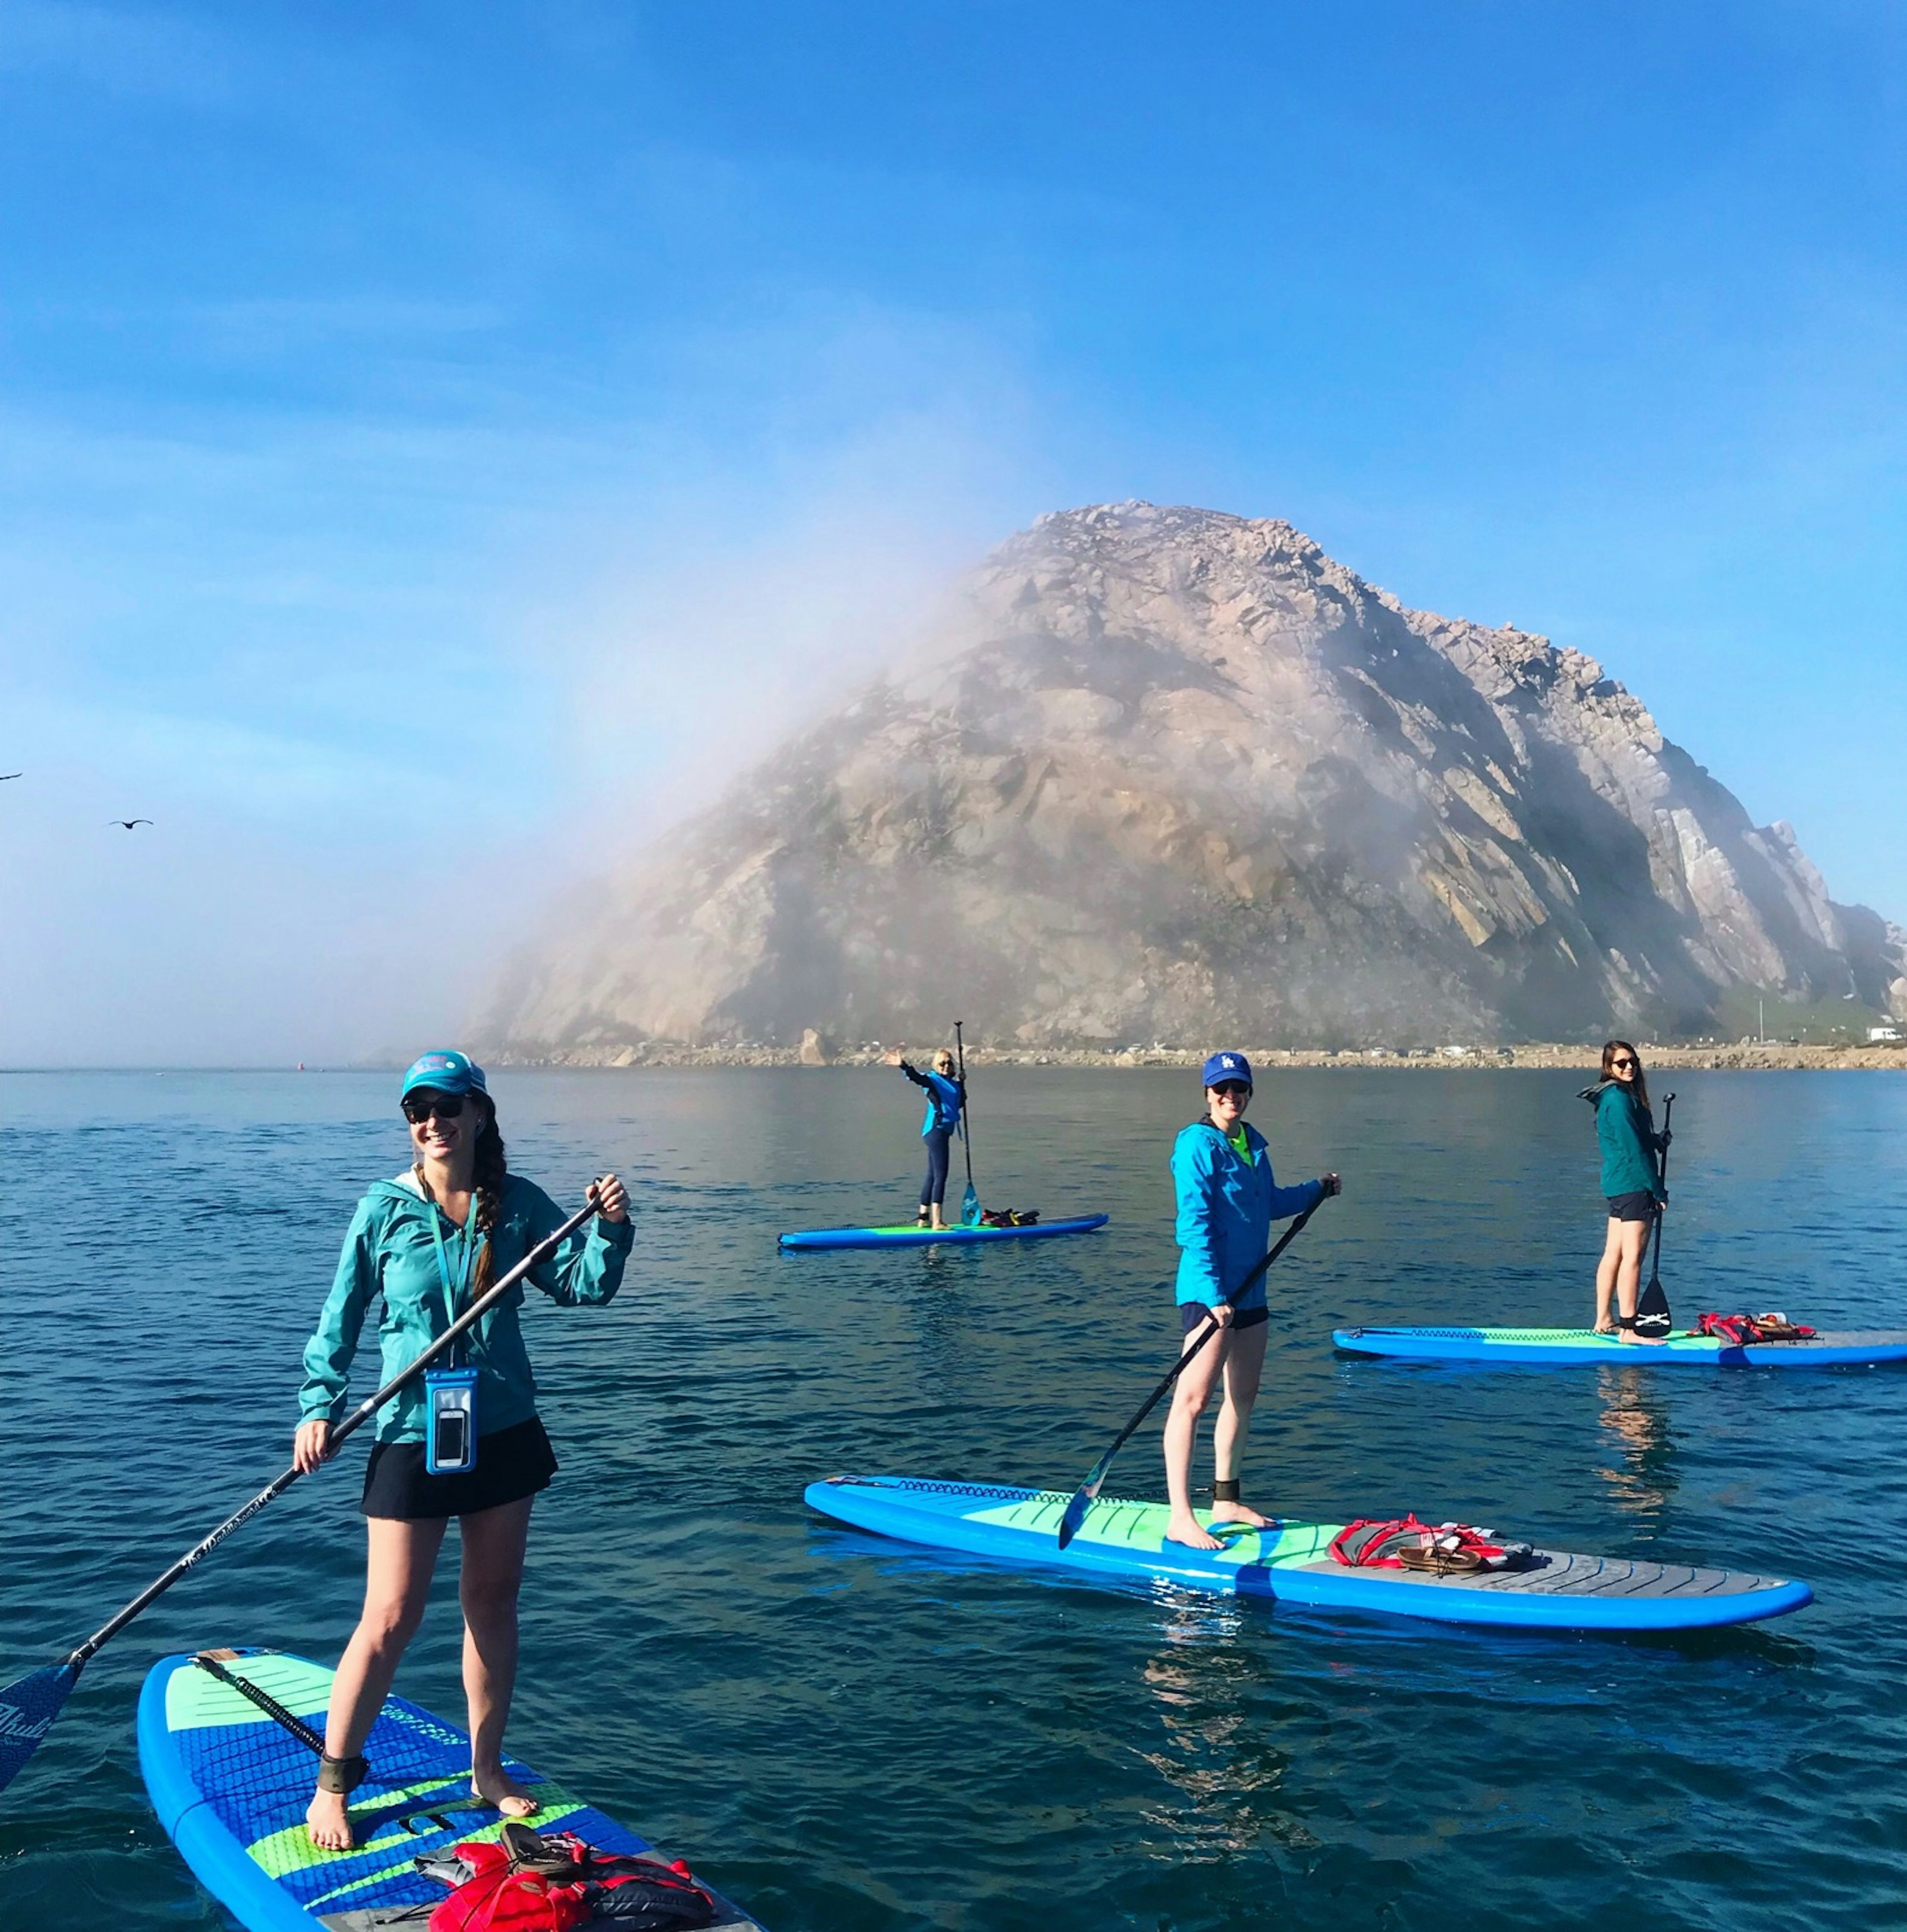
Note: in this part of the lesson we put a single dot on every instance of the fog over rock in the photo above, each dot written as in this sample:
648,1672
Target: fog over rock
1173,774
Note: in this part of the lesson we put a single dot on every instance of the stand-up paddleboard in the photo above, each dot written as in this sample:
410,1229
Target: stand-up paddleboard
1577,1345
912,1237
230,1787
1291,1561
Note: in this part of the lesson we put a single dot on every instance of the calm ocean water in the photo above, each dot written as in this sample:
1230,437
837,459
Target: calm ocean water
845,1735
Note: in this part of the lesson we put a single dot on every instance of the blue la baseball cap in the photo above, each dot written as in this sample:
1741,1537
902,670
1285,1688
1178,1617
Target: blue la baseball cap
448,1072
1222,1067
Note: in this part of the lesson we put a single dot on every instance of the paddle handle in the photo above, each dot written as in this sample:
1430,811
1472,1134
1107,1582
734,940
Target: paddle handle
358,1416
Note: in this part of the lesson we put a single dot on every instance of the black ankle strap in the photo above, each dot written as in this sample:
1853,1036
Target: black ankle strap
342,1774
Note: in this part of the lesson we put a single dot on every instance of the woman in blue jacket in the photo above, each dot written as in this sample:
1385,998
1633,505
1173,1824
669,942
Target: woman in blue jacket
428,1244
1228,1197
1632,1182
946,1096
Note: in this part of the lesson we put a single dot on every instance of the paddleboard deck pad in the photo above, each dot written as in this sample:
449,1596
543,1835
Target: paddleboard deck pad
230,1786
1574,1346
912,1237
1123,1541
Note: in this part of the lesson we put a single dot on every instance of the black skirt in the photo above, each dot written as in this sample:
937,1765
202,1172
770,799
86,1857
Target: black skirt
510,1464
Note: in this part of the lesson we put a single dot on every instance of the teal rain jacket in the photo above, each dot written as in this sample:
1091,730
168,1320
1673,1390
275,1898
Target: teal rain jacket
1226,1210
390,1253
1626,1131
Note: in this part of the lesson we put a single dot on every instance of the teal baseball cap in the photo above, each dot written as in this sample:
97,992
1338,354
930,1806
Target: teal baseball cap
447,1072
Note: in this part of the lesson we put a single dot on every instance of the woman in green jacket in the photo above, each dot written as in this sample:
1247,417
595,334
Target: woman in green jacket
1632,1182
428,1244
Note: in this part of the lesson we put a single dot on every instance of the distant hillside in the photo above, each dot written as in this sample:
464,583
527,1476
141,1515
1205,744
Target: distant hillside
1175,776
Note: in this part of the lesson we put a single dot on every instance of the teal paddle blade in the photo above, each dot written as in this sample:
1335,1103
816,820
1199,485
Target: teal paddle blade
970,1207
27,1711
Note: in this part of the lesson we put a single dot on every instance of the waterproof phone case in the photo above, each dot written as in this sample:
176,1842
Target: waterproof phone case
450,1435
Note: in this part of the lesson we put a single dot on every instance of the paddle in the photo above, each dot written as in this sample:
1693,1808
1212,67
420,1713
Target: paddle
1083,1497
1653,1306
28,1707
969,1201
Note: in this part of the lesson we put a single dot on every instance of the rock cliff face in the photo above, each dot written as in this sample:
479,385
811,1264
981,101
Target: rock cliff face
1175,776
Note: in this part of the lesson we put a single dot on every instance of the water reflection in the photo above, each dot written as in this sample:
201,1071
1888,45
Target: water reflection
1640,1476
1216,1702
938,1313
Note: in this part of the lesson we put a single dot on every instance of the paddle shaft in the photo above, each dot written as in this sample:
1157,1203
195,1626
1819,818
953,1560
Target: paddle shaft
1090,1487
966,1138
355,1421
1662,1178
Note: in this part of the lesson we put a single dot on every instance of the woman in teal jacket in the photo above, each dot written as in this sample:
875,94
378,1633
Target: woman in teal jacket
1632,1182
1227,1198
427,1245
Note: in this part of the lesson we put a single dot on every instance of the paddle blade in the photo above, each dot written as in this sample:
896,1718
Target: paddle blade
970,1207
27,1711
1074,1521
1652,1311
1084,1497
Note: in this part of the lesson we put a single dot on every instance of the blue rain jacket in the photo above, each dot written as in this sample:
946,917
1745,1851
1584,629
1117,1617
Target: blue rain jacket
1226,1210
943,1099
390,1252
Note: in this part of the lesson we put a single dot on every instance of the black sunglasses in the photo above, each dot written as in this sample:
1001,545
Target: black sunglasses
1621,1060
1235,1087
418,1108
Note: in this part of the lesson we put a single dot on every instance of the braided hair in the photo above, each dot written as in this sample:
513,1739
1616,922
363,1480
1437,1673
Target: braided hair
491,1169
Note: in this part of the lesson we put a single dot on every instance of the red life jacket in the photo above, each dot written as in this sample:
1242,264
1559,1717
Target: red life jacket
1738,1331
1403,1542
533,1883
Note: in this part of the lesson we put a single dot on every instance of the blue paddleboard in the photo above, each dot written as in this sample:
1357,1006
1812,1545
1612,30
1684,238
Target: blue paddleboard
910,1236
230,1786
1124,1540
1574,1346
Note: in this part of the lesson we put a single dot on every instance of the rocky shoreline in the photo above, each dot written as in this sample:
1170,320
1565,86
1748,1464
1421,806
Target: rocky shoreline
1746,1056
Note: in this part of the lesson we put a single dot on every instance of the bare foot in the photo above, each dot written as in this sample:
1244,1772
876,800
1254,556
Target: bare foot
1239,1513
1189,1530
329,1822
1604,1328
505,1794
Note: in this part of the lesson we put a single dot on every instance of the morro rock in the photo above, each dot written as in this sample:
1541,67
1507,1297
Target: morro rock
1173,774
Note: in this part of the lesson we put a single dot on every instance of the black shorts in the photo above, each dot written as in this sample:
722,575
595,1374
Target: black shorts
510,1464
1639,1206
1192,1312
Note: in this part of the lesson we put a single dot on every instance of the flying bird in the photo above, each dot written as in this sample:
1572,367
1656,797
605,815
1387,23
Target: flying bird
5,776
129,823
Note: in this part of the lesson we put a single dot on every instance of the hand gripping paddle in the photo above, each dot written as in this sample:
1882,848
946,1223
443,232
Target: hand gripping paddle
29,1705
1084,1496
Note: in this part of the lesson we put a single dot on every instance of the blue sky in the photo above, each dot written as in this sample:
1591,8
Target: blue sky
438,443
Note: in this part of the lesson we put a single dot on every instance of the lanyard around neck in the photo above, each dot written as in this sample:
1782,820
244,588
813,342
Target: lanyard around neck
470,1241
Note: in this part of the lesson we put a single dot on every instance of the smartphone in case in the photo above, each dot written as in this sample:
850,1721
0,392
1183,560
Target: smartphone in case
450,1428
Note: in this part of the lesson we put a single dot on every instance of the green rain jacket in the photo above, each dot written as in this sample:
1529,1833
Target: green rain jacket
1625,1134
390,1253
